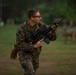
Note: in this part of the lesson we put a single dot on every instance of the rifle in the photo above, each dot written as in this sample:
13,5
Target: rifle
40,34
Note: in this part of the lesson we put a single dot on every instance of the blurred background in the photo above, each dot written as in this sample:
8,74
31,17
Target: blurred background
57,58
16,11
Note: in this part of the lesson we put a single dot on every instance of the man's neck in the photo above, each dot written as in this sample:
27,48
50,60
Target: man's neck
31,23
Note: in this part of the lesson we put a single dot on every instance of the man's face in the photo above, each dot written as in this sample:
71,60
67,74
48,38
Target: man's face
36,18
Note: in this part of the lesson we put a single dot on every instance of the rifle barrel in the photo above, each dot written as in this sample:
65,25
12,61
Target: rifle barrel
61,20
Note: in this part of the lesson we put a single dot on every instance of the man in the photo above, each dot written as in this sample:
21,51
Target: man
28,52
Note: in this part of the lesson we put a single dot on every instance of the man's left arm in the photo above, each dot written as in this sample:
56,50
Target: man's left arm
52,34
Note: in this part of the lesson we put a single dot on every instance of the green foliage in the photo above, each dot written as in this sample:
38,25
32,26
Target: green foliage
22,18
56,10
50,9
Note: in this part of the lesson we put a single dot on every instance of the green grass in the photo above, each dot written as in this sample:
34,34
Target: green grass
56,58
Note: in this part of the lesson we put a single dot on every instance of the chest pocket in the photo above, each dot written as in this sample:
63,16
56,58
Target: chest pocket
27,34
29,31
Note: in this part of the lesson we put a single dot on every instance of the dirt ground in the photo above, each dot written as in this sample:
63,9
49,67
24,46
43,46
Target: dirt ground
6,65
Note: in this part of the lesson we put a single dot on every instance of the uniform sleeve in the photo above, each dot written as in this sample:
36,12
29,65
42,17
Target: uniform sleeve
20,39
52,35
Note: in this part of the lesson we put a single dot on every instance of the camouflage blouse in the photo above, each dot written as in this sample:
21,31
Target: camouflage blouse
24,33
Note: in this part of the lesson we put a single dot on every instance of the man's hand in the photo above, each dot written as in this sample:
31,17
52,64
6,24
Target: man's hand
54,27
53,32
38,44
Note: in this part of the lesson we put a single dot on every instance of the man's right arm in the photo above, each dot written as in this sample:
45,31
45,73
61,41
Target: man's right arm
20,40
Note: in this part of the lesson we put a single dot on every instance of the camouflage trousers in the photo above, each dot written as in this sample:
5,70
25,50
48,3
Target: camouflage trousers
29,63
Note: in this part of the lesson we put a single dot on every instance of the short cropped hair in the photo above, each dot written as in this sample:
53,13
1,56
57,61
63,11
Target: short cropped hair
32,12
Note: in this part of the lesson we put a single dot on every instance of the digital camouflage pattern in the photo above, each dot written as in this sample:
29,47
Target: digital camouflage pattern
28,55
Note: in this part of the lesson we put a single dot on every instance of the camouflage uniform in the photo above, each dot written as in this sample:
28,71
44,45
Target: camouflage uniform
28,55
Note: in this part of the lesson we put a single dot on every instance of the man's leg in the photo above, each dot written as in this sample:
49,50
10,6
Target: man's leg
27,65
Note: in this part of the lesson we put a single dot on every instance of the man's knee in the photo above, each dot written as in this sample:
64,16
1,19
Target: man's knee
28,68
